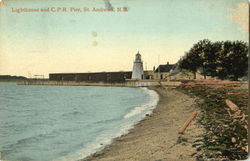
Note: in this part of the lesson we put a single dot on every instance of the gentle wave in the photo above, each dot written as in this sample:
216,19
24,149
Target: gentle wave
106,121
105,139
31,139
148,106
135,111
66,123
71,114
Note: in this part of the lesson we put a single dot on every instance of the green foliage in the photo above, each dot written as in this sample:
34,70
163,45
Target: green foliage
8,78
226,60
220,127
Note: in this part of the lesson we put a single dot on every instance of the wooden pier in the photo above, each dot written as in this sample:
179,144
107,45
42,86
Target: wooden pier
128,83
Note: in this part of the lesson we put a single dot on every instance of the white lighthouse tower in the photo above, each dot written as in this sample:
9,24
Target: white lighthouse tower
138,67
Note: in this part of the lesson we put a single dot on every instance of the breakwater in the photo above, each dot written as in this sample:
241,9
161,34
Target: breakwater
129,83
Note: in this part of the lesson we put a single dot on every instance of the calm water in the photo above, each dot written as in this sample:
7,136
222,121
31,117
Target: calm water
66,122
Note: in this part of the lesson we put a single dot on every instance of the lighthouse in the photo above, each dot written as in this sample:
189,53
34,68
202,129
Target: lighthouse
138,67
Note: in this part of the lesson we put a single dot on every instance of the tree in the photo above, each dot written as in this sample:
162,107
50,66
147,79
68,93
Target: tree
223,60
196,57
210,58
233,60
240,59
203,49
227,60
191,62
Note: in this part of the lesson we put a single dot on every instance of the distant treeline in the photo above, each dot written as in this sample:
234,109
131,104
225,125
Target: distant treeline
222,59
11,78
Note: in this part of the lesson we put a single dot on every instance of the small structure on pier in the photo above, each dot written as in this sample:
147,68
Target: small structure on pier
138,67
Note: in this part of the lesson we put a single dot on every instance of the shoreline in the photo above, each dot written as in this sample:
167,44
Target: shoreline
137,114
142,143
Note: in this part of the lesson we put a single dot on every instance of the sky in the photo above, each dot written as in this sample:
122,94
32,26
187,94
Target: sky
39,43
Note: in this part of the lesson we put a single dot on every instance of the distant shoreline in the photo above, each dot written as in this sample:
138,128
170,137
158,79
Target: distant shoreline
10,80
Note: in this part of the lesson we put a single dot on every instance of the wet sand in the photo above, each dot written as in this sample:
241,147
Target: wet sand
156,137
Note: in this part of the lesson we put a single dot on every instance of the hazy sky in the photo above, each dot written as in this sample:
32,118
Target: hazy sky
50,42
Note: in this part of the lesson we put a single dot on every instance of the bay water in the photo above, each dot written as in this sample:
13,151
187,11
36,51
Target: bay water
43,123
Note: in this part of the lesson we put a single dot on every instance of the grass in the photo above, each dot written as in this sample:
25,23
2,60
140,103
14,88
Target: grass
225,137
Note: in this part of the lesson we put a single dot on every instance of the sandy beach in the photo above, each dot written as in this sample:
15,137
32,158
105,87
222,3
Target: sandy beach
156,138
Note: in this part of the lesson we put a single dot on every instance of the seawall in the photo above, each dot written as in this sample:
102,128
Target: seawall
129,83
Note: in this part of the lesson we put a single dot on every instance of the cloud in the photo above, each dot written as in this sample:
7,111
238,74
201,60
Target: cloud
240,15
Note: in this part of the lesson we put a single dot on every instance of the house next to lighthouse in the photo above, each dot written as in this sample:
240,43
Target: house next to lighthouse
137,72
